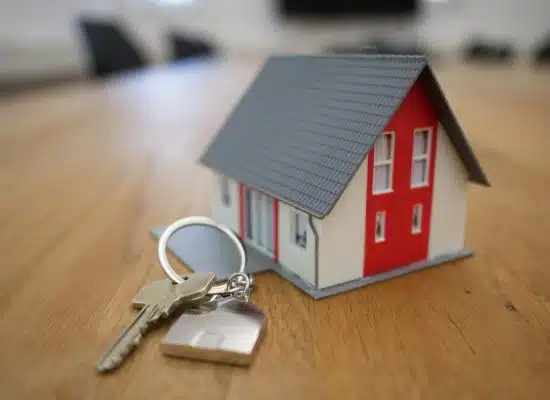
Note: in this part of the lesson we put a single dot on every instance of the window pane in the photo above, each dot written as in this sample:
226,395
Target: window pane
388,146
382,148
419,173
303,239
379,230
300,226
417,218
224,185
420,143
381,178
303,230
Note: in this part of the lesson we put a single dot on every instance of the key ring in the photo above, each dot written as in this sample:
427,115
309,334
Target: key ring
235,282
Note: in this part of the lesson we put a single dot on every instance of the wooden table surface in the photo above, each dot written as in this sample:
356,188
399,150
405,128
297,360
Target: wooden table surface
87,169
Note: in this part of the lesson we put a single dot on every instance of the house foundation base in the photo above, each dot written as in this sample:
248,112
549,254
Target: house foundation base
205,250
369,280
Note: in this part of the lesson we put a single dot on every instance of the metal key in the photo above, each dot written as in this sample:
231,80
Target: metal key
144,295
158,300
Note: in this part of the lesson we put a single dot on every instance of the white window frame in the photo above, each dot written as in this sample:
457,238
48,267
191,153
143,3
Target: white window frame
415,230
382,237
294,223
426,157
389,162
225,191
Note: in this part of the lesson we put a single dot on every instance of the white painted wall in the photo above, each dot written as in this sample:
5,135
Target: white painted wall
226,215
449,199
342,234
38,38
294,258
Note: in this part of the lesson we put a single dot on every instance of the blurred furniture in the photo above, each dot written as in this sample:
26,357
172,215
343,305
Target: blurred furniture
389,47
87,170
184,46
487,50
310,9
542,52
382,47
109,48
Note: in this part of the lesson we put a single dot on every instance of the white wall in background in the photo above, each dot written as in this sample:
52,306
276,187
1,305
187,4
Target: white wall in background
40,37
522,22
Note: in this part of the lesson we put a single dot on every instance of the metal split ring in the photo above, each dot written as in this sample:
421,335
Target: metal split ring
239,282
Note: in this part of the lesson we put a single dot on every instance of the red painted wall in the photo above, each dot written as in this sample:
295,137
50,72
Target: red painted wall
401,247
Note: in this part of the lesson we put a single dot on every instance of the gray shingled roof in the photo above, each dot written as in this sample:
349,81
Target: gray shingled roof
306,124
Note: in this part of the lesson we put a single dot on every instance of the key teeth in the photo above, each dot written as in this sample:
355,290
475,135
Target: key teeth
117,353
115,361
107,366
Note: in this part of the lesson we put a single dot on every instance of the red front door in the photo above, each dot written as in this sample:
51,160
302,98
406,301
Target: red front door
399,187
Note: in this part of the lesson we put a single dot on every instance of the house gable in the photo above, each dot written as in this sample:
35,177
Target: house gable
397,243
454,131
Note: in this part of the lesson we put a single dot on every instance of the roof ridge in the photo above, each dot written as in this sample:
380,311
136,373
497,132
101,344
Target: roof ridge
419,57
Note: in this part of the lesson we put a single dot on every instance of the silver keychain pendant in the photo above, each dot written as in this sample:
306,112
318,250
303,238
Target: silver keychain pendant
227,333
225,328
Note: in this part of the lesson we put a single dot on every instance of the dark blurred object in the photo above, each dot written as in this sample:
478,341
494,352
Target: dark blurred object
109,48
346,8
185,46
381,47
482,50
542,52
387,47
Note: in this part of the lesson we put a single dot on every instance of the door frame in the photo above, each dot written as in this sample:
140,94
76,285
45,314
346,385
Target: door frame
269,221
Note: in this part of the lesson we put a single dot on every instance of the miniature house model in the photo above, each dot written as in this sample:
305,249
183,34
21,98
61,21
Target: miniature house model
344,169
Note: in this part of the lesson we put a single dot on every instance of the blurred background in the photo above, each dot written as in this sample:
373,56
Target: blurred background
44,42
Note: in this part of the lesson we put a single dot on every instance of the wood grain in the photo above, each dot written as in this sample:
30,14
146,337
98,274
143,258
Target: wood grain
87,169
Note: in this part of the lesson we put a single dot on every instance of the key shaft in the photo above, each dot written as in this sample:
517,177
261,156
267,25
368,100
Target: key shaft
129,338
157,300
